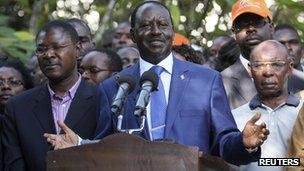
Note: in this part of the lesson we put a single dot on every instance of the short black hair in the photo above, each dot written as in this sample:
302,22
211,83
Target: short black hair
80,22
114,63
18,65
67,28
133,15
286,26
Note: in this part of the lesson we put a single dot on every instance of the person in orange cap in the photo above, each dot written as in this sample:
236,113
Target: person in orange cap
251,25
180,40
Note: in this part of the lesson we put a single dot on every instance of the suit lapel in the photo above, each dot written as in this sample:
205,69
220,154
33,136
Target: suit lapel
179,81
80,104
242,82
43,110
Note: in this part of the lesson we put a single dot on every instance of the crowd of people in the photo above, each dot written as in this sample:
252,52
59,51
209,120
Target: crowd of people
240,100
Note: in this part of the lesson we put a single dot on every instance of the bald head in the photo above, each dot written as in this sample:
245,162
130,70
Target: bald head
269,48
270,68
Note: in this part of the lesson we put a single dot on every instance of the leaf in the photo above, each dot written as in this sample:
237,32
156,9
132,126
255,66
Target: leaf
7,41
24,36
16,53
6,32
3,20
175,13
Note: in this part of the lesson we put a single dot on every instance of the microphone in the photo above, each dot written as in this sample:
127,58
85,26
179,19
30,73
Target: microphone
149,82
126,85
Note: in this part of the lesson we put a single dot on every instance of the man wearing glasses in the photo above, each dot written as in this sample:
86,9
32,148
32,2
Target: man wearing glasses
65,98
270,67
85,37
98,65
252,25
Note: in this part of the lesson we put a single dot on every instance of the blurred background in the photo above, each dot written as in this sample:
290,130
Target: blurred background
200,21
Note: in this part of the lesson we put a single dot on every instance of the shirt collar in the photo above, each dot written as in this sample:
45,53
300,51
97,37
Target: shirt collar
166,63
71,92
256,102
245,62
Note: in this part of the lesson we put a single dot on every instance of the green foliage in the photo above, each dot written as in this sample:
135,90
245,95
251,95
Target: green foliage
175,13
15,44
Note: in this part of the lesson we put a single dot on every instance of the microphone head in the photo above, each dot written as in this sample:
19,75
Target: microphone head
126,79
150,76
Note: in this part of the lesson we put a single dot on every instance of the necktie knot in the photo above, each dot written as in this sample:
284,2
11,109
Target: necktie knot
157,69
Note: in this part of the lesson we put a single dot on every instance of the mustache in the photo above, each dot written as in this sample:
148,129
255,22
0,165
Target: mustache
269,83
50,62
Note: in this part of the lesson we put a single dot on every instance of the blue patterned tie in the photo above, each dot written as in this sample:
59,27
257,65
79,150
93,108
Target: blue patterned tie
158,107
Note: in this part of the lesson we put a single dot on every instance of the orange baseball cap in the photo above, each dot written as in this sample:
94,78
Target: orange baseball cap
180,39
258,7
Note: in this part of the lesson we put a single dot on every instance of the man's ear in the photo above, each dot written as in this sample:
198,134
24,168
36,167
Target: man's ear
132,35
290,66
249,70
78,48
271,28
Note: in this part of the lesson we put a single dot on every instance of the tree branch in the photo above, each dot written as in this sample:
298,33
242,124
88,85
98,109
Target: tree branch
104,21
36,12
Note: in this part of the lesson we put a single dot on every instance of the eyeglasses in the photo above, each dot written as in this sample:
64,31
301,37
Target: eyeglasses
276,65
240,25
41,50
92,70
84,39
11,83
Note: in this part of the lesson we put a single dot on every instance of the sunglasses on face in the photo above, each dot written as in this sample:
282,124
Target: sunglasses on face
242,24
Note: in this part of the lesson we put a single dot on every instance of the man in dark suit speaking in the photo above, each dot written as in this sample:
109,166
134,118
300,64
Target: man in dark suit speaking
187,113
66,98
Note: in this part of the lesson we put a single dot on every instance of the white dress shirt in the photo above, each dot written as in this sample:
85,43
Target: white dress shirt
279,121
165,77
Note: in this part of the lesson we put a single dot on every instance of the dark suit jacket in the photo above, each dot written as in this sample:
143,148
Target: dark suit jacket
238,84
240,87
296,84
198,113
29,115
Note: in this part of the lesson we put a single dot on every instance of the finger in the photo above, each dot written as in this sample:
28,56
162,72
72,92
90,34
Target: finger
255,118
267,132
56,147
261,142
63,126
263,137
46,135
263,125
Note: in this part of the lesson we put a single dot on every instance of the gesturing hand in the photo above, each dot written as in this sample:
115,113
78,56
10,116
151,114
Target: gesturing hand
254,135
68,139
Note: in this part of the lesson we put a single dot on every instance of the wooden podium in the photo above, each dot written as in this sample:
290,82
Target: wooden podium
127,152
